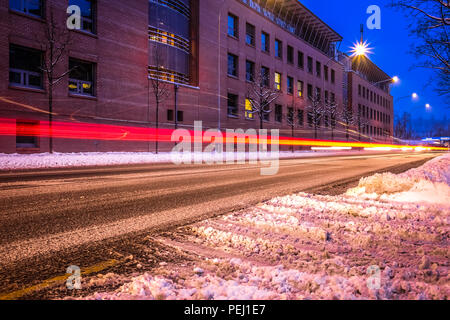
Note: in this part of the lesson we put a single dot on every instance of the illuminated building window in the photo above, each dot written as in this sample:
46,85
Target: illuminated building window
25,67
277,81
27,134
169,39
248,110
30,7
81,77
87,14
167,75
300,88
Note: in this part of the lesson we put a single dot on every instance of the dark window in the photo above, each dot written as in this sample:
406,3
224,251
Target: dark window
249,71
250,34
318,94
359,90
180,116
232,105
31,7
233,25
310,65
290,54
310,91
325,72
25,67
310,119
290,116
333,98
333,76
265,42
266,115
300,116
232,65
27,134
326,96
265,76
88,14
278,113
301,60
318,69
278,49
169,115
290,85
81,77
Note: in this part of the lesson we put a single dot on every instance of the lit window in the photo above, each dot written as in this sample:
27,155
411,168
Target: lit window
25,67
81,77
277,81
248,109
300,88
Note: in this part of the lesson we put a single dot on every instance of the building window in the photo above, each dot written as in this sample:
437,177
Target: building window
290,55
249,71
333,98
277,81
31,7
290,85
232,105
359,90
300,88
290,116
325,73
326,96
318,94
310,119
318,69
27,133
265,76
265,42
248,110
278,113
333,76
300,116
278,49
233,25
301,60
310,91
250,34
169,115
232,65
81,77
88,14
180,116
310,65
25,67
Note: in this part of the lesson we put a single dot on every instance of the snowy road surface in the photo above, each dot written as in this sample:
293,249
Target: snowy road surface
53,219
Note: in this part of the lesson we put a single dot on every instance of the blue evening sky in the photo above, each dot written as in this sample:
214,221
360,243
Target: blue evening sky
390,50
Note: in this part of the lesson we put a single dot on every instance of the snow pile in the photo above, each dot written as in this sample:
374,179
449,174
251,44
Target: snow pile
60,160
307,246
429,183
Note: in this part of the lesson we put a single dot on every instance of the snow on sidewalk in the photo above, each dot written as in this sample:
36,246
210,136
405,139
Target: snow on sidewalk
307,246
61,160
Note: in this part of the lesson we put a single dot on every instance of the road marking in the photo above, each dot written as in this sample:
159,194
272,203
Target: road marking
49,282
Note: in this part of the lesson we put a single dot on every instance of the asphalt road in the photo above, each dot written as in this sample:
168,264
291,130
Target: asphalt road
50,219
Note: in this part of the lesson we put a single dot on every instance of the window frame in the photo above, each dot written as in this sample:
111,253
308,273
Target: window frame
80,83
235,25
25,10
25,74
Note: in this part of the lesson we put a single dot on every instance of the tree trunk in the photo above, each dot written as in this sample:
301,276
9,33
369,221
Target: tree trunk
157,126
50,115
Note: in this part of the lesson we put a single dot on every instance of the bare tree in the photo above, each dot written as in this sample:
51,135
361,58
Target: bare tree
316,111
402,128
160,88
331,108
290,119
360,122
346,116
261,94
54,44
430,24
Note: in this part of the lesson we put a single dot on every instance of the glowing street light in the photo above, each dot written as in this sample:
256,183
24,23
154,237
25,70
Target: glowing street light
415,96
360,49
395,79
428,106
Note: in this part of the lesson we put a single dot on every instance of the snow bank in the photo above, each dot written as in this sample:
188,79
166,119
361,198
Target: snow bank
429,183
60,160
354,246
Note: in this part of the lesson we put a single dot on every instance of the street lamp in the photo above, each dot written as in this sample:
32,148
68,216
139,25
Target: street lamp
413,96
394,79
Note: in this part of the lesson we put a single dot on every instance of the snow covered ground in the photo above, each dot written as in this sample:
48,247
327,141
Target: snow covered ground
386,239
60,160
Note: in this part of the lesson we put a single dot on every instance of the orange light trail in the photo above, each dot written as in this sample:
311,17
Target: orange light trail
89,131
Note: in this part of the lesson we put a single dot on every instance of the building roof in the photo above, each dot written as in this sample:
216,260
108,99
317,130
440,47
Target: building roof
368,69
